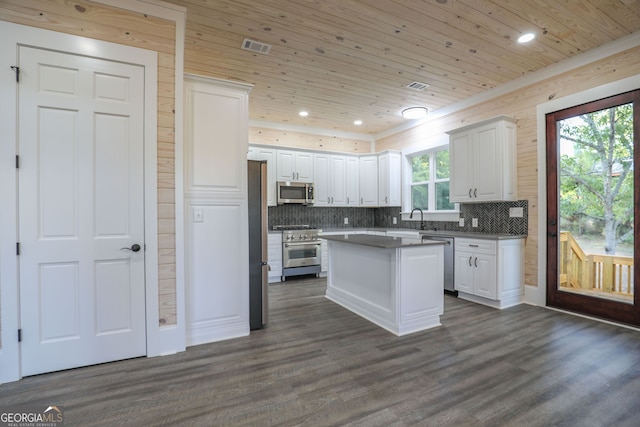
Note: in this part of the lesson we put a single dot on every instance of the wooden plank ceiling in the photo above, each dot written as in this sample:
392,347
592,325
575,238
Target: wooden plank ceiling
343,60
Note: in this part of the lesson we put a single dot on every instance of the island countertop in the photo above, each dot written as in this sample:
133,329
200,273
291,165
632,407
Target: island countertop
382,242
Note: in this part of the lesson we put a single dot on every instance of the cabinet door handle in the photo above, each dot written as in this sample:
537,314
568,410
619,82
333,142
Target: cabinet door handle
470,195
293,175
473,246
470,261
331,199
347,200
475,193
386,199
361,201
475,261
328,199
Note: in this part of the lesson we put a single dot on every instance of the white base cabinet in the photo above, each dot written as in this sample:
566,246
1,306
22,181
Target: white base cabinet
398,289
274,257
490,272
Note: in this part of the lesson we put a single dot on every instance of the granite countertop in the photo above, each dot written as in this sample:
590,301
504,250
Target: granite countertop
382,242
441,233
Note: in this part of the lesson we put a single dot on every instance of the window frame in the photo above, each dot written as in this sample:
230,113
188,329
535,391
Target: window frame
438,144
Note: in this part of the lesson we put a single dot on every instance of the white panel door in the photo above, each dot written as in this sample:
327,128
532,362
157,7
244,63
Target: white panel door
81,206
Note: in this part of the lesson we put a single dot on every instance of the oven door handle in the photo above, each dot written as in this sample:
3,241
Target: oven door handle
286,245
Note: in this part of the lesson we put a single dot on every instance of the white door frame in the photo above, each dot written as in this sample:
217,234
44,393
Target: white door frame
15,35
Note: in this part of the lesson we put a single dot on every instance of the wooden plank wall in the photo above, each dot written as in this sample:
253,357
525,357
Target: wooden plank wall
521,104
283,138
87,19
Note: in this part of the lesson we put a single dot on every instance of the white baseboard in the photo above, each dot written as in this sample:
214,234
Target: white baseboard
218,330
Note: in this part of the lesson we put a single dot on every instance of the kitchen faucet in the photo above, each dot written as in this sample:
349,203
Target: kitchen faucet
421,217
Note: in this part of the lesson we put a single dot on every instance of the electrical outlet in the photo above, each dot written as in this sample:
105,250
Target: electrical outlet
461,222
516,212
395,220
474,222
346,221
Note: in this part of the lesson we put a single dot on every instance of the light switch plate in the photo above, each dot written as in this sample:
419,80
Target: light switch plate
395,220
474,222
461,222
346,221
198,215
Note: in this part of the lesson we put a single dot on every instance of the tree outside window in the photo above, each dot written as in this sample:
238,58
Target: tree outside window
430,181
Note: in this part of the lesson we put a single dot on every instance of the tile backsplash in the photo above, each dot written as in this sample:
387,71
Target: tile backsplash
321,217
493,218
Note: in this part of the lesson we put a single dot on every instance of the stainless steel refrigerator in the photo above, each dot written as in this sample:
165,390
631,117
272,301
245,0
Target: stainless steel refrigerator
258,267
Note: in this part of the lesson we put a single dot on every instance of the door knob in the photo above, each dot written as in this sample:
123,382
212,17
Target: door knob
134,248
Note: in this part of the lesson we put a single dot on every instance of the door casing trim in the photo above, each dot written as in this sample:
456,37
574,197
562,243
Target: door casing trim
539,296
9,279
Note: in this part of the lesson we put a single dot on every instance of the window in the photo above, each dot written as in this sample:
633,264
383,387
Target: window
430,180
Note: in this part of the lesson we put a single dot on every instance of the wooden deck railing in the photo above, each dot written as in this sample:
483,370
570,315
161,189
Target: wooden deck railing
604,273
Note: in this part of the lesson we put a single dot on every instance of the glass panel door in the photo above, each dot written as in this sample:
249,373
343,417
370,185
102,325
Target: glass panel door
591,209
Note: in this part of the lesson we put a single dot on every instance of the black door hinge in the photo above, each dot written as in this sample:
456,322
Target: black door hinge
17,70
19,335
17,162
17,248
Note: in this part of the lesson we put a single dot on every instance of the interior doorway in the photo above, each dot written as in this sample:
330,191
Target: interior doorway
81,210
12,334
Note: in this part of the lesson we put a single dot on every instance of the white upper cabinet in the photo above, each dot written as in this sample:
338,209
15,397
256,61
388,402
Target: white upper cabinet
322,184
352,178
389,179
216,123
483,162
294,166
369,180
338,180
268,154
330,183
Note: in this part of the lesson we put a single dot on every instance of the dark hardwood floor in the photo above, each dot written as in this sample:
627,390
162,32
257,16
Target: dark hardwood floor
317,364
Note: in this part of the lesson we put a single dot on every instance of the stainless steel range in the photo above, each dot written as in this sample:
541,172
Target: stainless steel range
301,250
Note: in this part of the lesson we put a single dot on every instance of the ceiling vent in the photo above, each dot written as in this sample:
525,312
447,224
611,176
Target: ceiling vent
254,46
417,86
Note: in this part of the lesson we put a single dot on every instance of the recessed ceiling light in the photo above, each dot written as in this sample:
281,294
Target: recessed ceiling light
414,113
526,38
357,122
303,113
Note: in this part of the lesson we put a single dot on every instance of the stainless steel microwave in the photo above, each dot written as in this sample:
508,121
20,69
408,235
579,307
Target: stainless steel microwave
295,192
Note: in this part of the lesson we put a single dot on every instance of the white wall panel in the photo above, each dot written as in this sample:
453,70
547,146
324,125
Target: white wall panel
217,259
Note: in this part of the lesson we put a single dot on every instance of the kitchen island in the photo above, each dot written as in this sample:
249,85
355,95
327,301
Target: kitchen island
394,282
